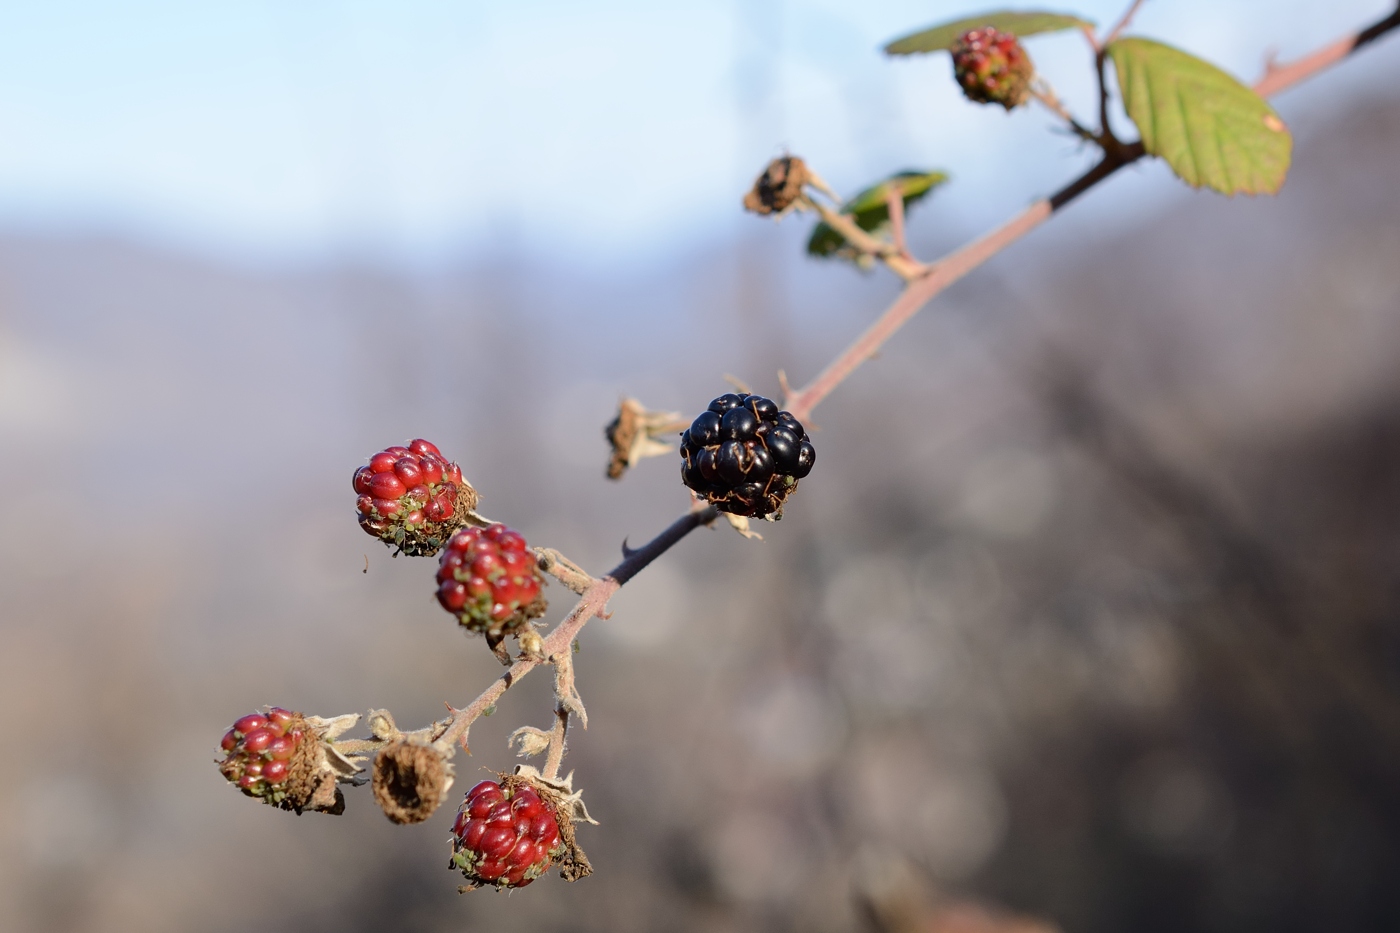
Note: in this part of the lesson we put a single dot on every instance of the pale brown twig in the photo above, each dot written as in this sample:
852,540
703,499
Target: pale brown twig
593,601
920,291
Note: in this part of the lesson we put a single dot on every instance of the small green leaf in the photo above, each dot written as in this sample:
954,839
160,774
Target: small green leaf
940,38
1211,129
871,211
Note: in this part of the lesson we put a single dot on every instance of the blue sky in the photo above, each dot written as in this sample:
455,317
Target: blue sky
419,127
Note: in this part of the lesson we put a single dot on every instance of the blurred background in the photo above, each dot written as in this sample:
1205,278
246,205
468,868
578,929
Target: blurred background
1088,618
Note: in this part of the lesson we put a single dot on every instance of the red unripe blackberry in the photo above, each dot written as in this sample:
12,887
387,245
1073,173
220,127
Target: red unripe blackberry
745,456
249,723
992,67
272,757
488,578
506,836
411,498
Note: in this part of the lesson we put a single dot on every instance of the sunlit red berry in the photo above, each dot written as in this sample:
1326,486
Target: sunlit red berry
488,578
249,723
505,837
410,497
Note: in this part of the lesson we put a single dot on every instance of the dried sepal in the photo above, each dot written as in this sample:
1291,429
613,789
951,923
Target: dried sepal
740,523
531,645
635,435
381,725
529,741
411,780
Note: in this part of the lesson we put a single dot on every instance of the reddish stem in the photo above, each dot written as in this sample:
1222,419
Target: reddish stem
939,275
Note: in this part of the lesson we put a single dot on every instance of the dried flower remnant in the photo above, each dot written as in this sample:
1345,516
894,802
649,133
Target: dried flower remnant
411,780
779,187
636,433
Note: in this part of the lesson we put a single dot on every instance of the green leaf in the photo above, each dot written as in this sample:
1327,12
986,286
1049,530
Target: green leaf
1212,130
871,211
940,38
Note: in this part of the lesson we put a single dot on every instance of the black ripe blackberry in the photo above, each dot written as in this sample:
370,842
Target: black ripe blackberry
745,456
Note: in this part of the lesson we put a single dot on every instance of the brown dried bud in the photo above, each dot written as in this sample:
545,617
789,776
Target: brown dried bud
778,187
410,780
636,433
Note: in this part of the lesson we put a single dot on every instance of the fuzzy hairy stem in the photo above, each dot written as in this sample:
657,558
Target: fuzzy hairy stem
944,272
556,744
924,283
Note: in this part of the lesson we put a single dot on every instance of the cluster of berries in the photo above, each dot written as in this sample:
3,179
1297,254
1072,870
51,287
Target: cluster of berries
992,67
489,579
505,836
261,750
745,456
412,497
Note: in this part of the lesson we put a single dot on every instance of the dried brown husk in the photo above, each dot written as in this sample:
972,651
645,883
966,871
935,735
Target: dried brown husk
636,433
779,187
410,780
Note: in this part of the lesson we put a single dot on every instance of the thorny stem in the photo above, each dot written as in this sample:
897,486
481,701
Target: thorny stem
565,689
1280,77
593,602
921,288
944,272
